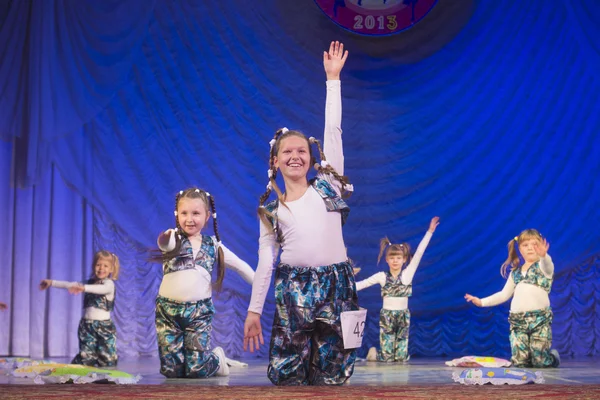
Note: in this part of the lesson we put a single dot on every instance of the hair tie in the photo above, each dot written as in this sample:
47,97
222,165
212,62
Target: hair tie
175,212
272,142
197,190
324,163
284,130
349,187
270,173
516,239
312,140
180,192
207,194
214,215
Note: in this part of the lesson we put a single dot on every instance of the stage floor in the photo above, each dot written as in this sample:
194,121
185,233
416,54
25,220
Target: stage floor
418,371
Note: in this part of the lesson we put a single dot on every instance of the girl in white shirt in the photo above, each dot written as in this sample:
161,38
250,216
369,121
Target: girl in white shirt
396,288
97,333
314,282
530,315
184,307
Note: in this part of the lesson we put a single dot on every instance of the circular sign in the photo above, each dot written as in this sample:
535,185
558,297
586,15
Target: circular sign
376,17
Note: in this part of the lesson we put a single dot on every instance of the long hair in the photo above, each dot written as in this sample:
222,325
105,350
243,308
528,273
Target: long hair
280,135
209,201
513,260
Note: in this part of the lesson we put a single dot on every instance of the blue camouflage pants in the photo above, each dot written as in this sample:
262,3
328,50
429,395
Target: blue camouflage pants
97,343
306,342
183,331
393,335
531,338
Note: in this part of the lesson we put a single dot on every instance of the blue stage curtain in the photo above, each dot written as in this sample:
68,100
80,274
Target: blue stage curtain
485,114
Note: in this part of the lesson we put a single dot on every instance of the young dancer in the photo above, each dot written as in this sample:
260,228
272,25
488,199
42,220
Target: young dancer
529,283
396,288
97,333
184,307
314,282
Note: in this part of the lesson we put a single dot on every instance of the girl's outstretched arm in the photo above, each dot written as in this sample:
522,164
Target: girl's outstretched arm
378,278
501,296
238,265
333,62
409,271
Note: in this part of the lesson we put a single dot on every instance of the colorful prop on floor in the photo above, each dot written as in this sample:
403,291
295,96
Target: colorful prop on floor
497,376
10,363
477,361
73,373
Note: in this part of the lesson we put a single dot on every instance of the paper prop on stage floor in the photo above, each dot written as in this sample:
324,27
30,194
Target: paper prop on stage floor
10,363
497,376
477,361
73,373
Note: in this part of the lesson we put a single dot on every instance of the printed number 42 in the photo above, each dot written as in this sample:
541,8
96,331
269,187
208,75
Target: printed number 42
359,329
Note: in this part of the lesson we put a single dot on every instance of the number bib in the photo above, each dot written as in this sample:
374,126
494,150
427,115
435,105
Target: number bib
353,327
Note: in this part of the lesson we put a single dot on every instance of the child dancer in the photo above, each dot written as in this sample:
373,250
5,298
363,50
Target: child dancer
96,332
396,288
184,307
314,282
530,315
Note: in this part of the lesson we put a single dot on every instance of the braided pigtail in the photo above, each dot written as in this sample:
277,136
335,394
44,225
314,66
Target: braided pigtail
325,167
218,285
272,185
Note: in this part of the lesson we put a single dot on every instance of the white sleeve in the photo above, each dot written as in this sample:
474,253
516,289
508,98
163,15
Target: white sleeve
268,248
63,284
547,266
409,271
107,287
238,265
332,141
370,281
501,296
171,245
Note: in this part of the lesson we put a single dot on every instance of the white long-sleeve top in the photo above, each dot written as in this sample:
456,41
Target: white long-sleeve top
406,277
526,297
106,287
195,284
312,236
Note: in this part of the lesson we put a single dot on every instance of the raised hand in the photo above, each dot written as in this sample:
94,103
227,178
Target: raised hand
334,60
435,221
252,332
473,299
541,247
79,288
45,284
